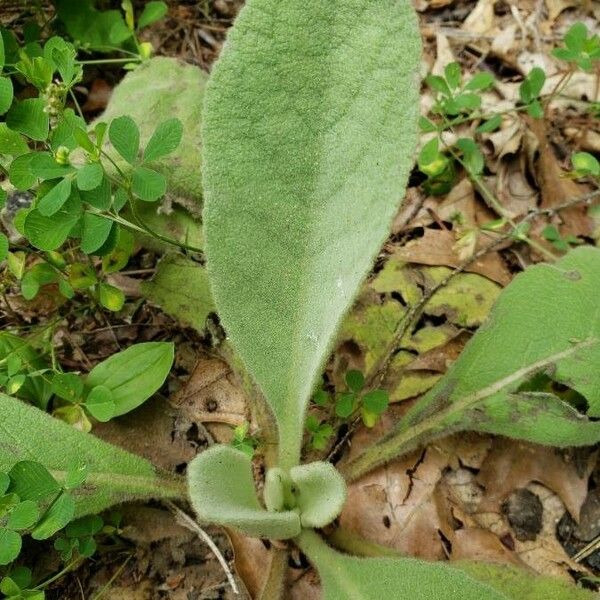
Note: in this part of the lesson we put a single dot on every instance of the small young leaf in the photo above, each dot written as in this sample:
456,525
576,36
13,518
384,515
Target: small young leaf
111,297
10,545
585,163
165,139
53,201
30,118
321,398
320,493
480,81
453,75
68,386
153,11
86,526
376,401
472,156
124,135
100,403
148,185
221,489
490,125
133,375
345,404
355,380
89,177
6,94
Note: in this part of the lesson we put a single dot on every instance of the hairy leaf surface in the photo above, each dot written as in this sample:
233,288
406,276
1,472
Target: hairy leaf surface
114,476
222,491
546,322
309,131
348,577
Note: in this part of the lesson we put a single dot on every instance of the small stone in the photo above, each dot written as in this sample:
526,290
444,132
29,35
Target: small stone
524,510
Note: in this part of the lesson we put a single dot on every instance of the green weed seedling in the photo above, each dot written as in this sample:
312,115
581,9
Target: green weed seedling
309,130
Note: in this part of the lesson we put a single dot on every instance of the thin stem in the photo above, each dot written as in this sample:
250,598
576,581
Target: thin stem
186,521
70,567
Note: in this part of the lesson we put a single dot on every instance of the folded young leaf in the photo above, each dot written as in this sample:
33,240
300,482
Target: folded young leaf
221,489
547,321
345,577
309,132
114,476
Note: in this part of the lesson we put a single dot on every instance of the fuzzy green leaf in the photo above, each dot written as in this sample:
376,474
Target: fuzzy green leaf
320,493
547,321
114,476
221,489
308,141
345,577
133,375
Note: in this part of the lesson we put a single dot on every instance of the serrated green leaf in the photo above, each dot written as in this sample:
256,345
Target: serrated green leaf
153,11
100,196
89,177
10,545
19,172
165,139
23,515
29,118
133,375
6,94
95,231
221,490
355,380
490,125
45,166
148,185
114,475
285,93
124,135
345,577
54,200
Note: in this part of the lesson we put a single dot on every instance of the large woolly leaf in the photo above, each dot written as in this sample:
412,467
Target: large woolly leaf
221,489
114,476
163,88
546,326
309,131
348,577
